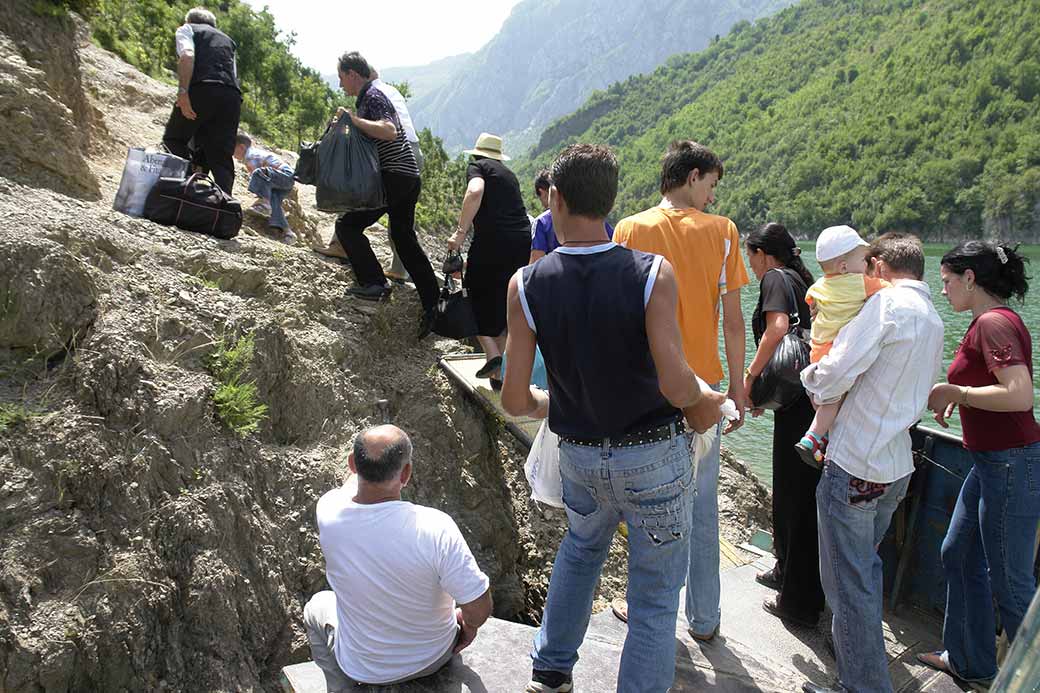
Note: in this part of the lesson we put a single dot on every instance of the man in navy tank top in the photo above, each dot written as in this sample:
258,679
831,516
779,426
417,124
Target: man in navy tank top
624,453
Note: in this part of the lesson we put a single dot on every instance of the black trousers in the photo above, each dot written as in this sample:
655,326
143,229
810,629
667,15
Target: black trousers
218,109
794,515
402,194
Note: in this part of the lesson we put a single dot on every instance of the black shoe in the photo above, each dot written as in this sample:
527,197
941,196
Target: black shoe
490,367
426,323
496,384
771,606
370,292
549,682
770,578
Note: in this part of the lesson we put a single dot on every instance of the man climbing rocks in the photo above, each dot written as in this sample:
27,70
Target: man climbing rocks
209,98
376,117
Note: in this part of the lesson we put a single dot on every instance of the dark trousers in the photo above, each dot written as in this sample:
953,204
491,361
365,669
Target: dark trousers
218,109
795,538
402,194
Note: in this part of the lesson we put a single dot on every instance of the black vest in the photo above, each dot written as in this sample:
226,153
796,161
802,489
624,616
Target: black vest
214,57
589,316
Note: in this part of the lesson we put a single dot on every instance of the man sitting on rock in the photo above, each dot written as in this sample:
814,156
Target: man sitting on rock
270,179
397,571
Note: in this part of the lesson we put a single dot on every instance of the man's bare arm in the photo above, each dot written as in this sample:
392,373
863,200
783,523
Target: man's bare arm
735,338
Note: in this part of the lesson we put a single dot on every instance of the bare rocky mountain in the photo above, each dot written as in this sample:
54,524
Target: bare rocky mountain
550,55
143,545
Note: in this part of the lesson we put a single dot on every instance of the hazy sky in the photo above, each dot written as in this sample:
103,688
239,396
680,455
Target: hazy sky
419,32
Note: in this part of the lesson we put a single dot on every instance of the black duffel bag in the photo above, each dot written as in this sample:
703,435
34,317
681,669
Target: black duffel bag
779,385
454,316
194,204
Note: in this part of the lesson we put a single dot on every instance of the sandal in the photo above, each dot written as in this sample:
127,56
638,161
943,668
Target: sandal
769,578
490,367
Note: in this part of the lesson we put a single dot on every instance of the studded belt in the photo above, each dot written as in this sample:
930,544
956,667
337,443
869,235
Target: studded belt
652,435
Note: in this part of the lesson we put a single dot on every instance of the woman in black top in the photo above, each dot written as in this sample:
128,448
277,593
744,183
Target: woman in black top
501,245
773,257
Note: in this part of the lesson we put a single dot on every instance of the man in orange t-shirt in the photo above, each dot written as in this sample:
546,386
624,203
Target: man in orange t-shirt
704,250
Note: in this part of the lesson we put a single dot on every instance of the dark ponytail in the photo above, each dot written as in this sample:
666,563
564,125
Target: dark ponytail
999,268
774,240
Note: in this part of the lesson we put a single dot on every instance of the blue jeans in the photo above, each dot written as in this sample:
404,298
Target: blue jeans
988,552
702,578
851,525
272,185
650,487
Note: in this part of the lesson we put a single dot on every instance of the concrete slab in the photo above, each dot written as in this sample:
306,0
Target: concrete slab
753,652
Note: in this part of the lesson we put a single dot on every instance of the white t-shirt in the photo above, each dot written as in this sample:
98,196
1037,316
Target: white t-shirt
397,570
398,102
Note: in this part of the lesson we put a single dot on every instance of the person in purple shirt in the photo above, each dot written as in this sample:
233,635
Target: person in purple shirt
543,238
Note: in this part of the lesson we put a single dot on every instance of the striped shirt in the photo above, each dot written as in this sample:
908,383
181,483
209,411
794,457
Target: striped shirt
886,358
395,156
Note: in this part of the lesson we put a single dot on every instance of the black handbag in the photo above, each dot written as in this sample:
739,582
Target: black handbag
194,204
307,160
454,312
779,385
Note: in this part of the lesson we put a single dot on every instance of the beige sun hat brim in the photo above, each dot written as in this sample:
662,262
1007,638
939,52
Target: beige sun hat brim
488,153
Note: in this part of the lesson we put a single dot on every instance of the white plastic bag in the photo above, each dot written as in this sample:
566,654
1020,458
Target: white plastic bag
702,443
140,174
543,468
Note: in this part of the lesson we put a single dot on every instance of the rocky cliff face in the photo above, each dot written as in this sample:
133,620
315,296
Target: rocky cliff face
569,48
143,545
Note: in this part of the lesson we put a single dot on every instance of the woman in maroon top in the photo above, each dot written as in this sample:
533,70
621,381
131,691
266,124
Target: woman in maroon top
991,543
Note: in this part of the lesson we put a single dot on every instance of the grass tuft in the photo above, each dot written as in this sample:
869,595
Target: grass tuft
237,402
14,414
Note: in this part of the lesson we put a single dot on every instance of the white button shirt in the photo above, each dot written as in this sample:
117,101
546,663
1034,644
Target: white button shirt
886,358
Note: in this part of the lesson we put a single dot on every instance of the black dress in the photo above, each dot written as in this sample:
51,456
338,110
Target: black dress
795,540
501,244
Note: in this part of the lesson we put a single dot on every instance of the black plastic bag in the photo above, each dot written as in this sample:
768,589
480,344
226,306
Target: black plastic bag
348,170
307,160
194,204
454,312
779,385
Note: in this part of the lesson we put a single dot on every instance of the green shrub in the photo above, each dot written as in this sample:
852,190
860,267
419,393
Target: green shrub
236,400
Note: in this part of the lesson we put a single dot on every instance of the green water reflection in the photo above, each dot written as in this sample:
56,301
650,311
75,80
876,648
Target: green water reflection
754,442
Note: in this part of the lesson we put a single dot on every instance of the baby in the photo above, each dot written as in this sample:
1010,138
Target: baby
836,298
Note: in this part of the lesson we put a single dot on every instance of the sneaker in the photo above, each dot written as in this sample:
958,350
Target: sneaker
549,682
429,316
261,207
288,237
371,292
812,449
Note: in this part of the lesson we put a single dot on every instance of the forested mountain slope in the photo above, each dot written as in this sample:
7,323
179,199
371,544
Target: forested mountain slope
889,114
551,54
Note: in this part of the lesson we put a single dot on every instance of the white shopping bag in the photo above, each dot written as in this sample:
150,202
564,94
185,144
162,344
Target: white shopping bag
702,443
543,468
142,170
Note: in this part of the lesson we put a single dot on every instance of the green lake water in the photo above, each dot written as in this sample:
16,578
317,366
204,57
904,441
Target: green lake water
753,442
